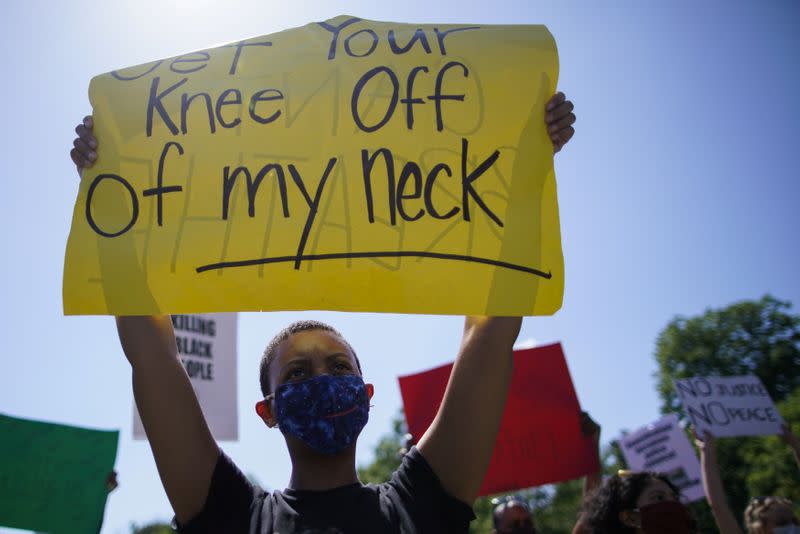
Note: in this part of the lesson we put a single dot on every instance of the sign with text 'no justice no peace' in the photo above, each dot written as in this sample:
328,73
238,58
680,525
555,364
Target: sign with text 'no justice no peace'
729,406
344,165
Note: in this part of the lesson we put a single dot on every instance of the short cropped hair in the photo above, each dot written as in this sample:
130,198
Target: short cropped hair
500,509
758,507
272,347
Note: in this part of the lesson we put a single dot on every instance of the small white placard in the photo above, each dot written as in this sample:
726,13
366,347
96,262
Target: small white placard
729,406
207,349
663,447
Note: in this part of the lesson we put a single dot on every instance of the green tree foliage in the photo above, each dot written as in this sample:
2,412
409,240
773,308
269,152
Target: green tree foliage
482,524
612,458
747,338
772,469
558,512
761,338
387,454
152,528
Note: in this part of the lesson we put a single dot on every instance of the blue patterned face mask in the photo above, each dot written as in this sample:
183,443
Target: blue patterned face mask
327,412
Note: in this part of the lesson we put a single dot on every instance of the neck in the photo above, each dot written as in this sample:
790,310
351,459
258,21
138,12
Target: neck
316,472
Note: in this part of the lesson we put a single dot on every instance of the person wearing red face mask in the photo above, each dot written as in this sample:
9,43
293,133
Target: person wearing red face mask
637,503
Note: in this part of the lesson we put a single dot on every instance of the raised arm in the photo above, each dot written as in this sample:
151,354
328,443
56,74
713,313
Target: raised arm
590,428
712,485
791,439
184,450
460,441
593,480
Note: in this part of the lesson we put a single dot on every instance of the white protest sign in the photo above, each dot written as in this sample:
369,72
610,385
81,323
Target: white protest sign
729,406
207,349
662,446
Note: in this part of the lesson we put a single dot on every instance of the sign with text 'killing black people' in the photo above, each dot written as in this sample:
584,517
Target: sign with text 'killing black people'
663,447
344,165
207,348
729,406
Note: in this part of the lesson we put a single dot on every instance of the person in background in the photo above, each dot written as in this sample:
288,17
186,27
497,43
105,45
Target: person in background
636,503
771,515
763,515
512,516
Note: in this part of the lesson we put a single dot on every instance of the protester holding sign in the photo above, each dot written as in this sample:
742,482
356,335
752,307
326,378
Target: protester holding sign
310,364
764,515
643,502
662,446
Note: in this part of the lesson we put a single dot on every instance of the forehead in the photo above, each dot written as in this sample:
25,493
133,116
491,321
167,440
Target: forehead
312,344
655,488
779,511
513,514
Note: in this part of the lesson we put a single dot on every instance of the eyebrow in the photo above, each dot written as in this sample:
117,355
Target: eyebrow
337,355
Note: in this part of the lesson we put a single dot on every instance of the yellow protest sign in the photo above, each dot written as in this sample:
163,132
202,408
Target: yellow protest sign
344,165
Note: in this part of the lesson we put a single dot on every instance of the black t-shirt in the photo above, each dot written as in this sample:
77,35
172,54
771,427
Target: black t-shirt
413,501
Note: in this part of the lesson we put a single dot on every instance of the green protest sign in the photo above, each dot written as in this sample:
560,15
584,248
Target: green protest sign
53,477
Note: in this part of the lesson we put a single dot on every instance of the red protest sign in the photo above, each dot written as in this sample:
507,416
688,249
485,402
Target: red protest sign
540,439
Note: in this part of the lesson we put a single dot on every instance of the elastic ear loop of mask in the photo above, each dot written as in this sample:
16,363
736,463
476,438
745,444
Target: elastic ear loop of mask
370,393
269,397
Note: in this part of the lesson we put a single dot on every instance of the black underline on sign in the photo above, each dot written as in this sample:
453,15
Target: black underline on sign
377,254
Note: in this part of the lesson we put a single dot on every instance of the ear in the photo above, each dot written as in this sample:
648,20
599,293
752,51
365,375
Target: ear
370,391
265,413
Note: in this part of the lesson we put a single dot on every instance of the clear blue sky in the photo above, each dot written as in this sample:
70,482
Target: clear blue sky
679,191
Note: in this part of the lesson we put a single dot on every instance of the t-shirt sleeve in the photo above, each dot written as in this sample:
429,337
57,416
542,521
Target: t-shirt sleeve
426,500
228,505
